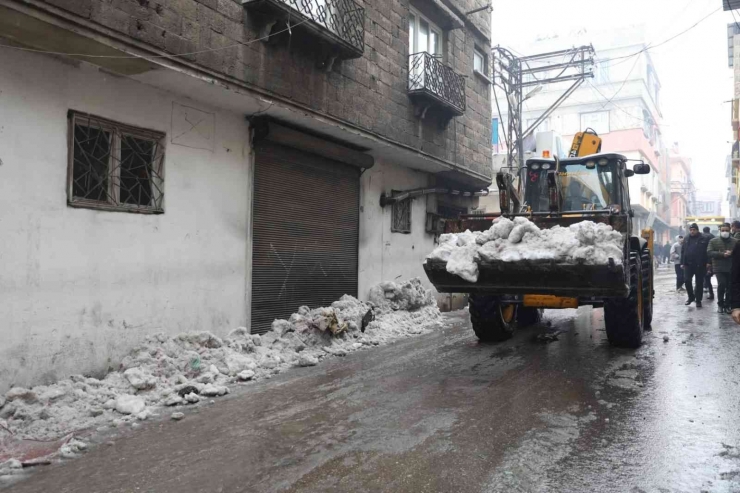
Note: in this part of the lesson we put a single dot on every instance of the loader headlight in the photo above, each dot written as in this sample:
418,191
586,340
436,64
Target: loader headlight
535,167
546,166
603,161
590,164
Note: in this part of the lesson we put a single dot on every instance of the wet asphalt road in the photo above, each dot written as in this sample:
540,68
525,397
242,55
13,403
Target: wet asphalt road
444,413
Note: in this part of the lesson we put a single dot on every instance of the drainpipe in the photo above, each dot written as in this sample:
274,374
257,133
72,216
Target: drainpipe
418,192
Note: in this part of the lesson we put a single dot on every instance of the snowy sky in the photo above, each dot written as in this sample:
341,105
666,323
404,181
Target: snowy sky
692,68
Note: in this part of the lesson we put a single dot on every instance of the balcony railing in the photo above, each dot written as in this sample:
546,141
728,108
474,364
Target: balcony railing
432,81
339,22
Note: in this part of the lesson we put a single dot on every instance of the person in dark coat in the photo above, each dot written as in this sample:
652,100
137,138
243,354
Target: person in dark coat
735,284
694,264
720,252
735,231
710,272
666,252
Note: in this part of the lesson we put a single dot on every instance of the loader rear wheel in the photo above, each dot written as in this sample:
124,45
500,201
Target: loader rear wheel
528,316
492,321
647,289
624,316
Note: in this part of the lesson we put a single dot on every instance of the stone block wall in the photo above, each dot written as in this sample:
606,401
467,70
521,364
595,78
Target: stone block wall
369,92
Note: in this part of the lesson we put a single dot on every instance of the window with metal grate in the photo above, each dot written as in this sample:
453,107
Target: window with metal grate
401,217
114,166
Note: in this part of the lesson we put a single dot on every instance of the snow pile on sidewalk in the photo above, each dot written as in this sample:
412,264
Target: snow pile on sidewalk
184,369
585,242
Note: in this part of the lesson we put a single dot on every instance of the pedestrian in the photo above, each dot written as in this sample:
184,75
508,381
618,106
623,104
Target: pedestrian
735,232
708,288
694,264
735,282
720,253
676,259
666,252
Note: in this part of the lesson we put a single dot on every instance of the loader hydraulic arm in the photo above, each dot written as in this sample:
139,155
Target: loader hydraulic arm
507,193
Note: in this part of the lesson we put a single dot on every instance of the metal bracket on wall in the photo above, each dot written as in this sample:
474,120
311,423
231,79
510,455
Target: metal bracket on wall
421,110
267,31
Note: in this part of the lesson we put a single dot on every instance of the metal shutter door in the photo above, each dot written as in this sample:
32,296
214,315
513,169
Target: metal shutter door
306,226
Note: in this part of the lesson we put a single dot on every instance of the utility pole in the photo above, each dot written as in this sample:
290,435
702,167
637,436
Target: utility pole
515,74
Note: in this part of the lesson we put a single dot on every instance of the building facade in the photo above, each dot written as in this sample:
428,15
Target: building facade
200,165
683,193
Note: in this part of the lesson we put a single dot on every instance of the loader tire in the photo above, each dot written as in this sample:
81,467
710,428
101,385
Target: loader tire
623,317
647,290
528,316
491,320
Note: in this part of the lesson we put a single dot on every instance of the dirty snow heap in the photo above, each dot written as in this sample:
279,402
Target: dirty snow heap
187,368
585,242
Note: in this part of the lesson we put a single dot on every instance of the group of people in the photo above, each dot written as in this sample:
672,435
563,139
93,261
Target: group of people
700,256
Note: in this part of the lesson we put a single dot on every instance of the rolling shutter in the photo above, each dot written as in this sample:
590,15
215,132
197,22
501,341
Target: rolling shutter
305,232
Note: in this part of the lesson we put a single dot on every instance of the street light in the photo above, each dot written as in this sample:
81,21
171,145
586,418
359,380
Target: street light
533,92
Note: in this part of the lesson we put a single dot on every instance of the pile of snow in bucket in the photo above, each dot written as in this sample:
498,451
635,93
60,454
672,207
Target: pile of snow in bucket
585,242
169,371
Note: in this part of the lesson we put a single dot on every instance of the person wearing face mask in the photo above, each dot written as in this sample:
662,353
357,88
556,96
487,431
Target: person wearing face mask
694,264
675,255
720,253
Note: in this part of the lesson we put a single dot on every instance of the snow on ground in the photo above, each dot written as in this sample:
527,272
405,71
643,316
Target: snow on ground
585,242
167,371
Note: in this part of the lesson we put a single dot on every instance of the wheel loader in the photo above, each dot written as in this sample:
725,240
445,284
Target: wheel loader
561,192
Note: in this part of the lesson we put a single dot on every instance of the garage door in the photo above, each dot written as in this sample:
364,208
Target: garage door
305,227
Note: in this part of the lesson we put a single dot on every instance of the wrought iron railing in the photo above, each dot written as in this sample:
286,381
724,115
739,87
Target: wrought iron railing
344,18
428,75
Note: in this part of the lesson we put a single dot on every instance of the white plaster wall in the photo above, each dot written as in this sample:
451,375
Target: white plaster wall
386,256
79,287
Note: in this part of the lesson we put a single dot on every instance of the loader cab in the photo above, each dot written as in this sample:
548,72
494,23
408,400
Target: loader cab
596,182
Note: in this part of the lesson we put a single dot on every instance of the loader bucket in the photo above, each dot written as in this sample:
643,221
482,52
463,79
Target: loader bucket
534,277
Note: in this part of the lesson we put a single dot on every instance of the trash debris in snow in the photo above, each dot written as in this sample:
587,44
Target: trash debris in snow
585,242
666,338
547,337
189,368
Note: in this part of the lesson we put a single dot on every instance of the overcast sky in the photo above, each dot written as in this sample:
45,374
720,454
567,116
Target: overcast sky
692,68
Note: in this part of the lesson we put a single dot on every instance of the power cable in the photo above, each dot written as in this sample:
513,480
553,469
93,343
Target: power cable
620,108
495,96
650,47
148,57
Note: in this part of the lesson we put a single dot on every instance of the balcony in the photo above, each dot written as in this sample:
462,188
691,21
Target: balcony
432,83
339,24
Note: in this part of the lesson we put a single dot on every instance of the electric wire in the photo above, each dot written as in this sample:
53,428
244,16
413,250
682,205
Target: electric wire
653,46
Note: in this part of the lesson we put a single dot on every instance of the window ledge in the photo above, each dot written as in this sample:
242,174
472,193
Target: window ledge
105,206
483,76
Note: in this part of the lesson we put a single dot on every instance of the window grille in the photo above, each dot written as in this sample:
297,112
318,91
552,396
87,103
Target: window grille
115,166
401,220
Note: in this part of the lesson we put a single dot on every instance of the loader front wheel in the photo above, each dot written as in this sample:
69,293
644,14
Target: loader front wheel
526,317
623,317
492,321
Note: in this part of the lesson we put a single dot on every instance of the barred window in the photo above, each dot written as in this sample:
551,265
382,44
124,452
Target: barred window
401,217
114,166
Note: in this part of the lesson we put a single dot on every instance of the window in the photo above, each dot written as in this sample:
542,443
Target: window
424,35
480,64
114,166
544,125
598,121
401,217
